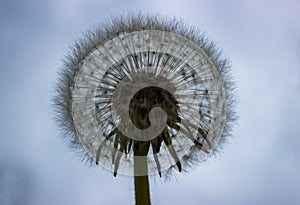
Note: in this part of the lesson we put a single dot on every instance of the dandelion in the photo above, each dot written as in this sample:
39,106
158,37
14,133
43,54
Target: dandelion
145,94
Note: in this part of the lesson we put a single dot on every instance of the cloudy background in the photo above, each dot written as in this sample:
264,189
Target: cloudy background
261,163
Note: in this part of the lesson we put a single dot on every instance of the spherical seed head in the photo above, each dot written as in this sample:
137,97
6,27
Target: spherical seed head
144,86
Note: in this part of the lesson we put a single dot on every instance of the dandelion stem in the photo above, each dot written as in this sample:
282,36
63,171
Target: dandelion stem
141,182
142,195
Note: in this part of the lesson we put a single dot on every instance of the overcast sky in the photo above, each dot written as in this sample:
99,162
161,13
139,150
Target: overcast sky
259,166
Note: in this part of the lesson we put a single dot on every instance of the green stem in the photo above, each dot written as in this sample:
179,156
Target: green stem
141,182
142,195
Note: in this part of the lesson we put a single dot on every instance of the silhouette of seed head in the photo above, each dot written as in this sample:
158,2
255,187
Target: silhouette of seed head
145,86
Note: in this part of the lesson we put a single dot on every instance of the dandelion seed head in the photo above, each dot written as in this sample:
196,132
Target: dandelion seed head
145,82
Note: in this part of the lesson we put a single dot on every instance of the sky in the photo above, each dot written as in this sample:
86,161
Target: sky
259,165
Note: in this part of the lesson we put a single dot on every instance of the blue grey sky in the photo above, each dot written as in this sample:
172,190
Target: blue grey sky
260,165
